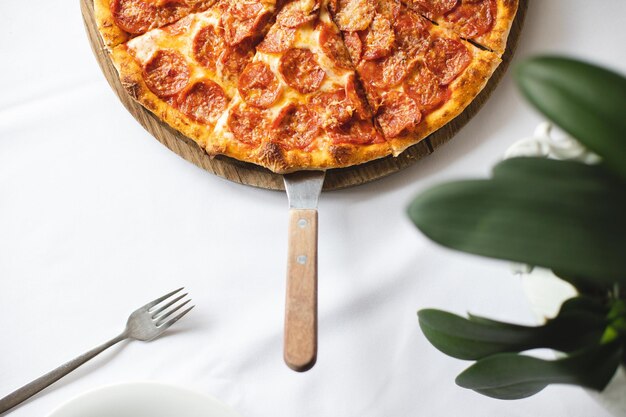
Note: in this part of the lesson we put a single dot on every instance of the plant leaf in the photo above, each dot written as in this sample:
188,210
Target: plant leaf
511,376
571,218
561,173
587,101
478,337
584,303
468,340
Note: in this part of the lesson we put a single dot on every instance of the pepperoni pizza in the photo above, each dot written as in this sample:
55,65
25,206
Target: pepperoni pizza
305,84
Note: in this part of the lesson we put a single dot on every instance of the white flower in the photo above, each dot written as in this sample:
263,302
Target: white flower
544,144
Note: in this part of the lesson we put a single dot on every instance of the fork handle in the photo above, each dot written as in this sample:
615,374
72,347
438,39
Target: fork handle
300,346
22,394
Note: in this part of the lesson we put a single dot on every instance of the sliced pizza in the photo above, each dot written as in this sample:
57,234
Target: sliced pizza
417,76
185,73
299,105
282,85
486,22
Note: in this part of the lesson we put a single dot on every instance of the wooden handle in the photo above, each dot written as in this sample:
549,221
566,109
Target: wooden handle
300,350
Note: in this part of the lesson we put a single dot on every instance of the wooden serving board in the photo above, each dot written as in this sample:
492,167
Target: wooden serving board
256,176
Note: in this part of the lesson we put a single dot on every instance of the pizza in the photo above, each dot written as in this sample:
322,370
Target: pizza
305,84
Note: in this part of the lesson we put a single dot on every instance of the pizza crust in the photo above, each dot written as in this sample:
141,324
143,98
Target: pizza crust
273,157
111,34
496,39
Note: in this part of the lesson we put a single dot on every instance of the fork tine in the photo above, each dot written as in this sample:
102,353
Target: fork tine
160,299
175,319
156,312
162,317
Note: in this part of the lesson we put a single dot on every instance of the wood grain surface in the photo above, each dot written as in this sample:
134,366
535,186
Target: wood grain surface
300,344
256,176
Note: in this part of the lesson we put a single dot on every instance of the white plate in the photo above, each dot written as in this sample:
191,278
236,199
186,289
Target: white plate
143,400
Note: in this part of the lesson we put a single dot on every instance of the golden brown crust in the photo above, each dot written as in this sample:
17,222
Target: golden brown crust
497,38
272,156
111,34
464,90
131,77
333,156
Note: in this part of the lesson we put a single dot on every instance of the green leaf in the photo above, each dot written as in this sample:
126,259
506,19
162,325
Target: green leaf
587,101
469,340
569,217
559,173
479,337
583,303
510,376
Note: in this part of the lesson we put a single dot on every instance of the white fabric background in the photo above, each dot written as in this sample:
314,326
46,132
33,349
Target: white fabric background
97,217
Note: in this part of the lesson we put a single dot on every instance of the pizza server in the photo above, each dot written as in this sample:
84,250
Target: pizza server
300,344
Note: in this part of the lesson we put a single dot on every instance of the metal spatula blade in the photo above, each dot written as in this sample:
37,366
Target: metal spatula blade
300,345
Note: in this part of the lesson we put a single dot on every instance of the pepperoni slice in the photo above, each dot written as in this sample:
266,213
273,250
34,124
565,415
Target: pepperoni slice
234,60
258,85
358,132
204,102
447,59
277,40
295,127
353,15
379,39
423,87
332,108
472,19
412,33
397,114
139,16
298,12
352,40
388,8
301,71
433,8
134,16
386,72
333,47
247,124
208,45
166,73
244,20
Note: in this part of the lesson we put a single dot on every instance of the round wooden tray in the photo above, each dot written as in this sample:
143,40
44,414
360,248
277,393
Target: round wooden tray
256,176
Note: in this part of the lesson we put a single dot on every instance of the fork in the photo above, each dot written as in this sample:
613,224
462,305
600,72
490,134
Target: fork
145,324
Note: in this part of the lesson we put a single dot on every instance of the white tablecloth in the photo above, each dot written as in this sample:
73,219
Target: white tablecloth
97,217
